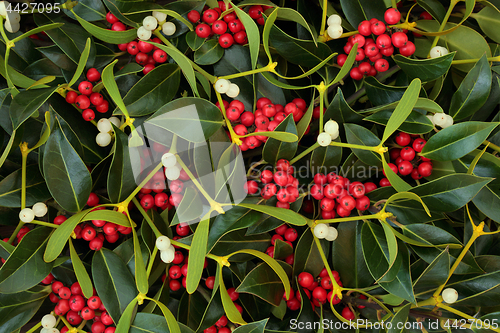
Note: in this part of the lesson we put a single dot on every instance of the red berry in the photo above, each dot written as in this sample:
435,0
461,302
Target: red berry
87,313
226,40
362,203
392,16
255,12
347,314
118,26
96,244
98,327
364,28
144,47
251,187
71,96
378,28
291,235
371,50
319,294
111,18
341,58
383,41
73,317
407,153
369,186
182,229
425,16
399,39
209,282
96,98
65,293
365,68
210,16
408,49
356,73
418,144
347,202
88,114
293,304
93,75
219,27
425,169
403,139
94,302
148,68
305,279
160,56
103,107
193,16
82,102
241,37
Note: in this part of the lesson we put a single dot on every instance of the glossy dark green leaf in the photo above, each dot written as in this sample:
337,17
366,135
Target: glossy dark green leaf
208,53
381,94
123,325
263,282
121,181
113,282
274,149
67,177
234,219
36,190
282,249
359,135
416,123
190,208
325,157
194,41
477,290
127,253
399,320
473,91
297,51
433,7
231,312
237,240
488,18
89,10
458,140
193,119
197,252
18,309
152,323
347,256
285,215
360,10
307,257
426,69
81,272
213,311
435,274
25,266
253,34
191,309
255,327
153,91
107,35
340,111
26,103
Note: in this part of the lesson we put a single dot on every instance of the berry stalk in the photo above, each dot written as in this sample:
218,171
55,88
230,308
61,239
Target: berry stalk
445,20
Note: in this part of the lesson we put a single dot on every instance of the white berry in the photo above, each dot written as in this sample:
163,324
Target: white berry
161,17
222,86
168,28
150,23
26,215
173,173
115,121
12,27
104,125
431,118
167,256
168,160
39,209
332,234
143,33
450,295
335,31
321,230
52,330
103,139
48,321
324,139
448,122
332,128
44,330
334,20
439,119
162,243
233,91
3,10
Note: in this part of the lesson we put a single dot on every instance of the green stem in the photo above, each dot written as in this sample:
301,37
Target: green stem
473,61
151,261
187,247
323,17
50,225
321,88
351,218
353,146
304,153
394,4
147,218
234,137
34,328
241,74
14,234
445,20
24,153
492,146
144,182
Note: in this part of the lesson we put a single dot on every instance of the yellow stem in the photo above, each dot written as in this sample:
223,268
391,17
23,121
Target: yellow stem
321,89
234,137
34,328
445,20
141,185
394,4
50,225
379,216
147,218
208,255
269,68
492,146
473,61
151,261
304,153
323,18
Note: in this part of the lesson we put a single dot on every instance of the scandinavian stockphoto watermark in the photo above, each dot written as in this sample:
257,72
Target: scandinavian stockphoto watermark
201,172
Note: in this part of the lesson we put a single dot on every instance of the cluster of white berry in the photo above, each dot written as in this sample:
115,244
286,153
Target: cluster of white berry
438,51
172,168
104,126
151,22
223,86
48,322
440,119
28,214
323,230
167,251
12,18
335,29
331,133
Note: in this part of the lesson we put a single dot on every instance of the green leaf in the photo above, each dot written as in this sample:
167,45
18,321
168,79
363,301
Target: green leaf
399,184
173,326
107,35
304,122
197,255
477,290
37,30
359,135
25,267
113,282
121,181
152,323
405,106
340,111
232,313
89,10
488,18
208,53
81,272
347,256
213,311
281,136
263,282
406,195
107,215
123,325
416,123
425,69
326,157
274,149
81,64
434,7
26,103
151,92
61,235
18,309
192,307
191,118
435,274
282,214
457,141
381,94
194,41
141,277
289,14
400,319
67,176
360,10
253,34
266,32
307,257
36,190
473,91
109,82
255,327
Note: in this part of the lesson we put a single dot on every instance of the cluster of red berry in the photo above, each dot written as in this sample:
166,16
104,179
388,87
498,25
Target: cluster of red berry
145,54
406,160
87,97
266,118
228,28
376,50
99,230
338,196
220,326
72,303
287,235
280,183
